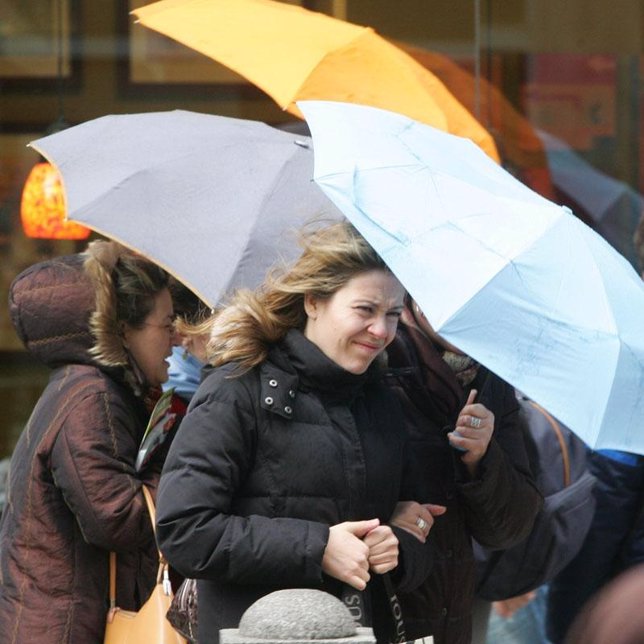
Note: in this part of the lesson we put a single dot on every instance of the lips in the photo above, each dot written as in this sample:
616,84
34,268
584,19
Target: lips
370,346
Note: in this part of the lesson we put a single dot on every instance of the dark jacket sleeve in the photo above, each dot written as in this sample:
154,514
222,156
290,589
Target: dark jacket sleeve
415,561
502,503
415,558
92,463
208,462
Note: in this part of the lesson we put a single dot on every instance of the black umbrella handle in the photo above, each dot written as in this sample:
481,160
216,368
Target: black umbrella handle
484,388
481,390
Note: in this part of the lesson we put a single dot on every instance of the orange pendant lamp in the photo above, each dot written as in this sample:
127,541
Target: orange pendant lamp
42,207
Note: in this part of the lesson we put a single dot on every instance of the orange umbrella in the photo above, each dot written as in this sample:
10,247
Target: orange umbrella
519,144
294,54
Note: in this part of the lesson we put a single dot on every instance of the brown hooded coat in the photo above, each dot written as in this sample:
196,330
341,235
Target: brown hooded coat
73,494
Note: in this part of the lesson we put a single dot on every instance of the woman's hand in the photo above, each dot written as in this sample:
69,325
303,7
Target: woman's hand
473,432
416,518
346,556
383,549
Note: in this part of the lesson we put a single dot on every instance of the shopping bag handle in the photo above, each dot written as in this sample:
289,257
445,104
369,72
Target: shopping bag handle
162,564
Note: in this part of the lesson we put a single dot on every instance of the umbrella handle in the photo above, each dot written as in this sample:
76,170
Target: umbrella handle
482,391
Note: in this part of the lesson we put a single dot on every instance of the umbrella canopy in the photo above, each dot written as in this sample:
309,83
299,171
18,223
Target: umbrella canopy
294,54
612,206
213,200
516,138
507,276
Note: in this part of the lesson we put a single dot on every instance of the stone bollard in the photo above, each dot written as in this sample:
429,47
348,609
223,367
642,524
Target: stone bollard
297,616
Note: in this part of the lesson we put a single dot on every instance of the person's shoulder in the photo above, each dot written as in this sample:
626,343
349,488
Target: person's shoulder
86,397
231,372
80,378
227,383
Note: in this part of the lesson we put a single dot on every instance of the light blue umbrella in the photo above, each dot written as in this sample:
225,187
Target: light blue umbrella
510,278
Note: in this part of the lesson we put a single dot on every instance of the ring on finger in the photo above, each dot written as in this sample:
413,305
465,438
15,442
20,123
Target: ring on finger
421,523
475,422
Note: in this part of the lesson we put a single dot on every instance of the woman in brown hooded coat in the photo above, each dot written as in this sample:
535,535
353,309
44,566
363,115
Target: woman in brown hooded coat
103,322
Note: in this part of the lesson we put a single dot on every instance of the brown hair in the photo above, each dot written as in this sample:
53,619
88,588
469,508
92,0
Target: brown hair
244,330
126,285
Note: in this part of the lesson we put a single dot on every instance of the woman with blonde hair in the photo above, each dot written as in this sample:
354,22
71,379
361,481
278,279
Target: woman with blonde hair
291,460
103,321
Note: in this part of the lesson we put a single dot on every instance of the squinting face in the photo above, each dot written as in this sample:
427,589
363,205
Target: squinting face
152,343
358,321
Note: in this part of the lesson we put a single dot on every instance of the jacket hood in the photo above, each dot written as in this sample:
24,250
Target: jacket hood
54,306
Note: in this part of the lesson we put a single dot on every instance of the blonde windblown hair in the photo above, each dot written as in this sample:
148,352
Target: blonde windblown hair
244,330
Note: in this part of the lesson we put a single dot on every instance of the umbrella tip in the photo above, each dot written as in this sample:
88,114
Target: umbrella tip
302,144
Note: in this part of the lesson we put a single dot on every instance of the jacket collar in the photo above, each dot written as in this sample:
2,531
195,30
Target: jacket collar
298,364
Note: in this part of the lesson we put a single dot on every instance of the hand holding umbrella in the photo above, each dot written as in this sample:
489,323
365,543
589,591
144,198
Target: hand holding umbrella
473,432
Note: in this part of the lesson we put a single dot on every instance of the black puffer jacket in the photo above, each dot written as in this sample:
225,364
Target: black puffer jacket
497,509
264,464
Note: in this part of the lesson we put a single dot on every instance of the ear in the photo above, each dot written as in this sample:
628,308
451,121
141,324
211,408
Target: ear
123,333
310,306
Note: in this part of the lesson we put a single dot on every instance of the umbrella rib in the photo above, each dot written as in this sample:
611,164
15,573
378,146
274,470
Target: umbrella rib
585,242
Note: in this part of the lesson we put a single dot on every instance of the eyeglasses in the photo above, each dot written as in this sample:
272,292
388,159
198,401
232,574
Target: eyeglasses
168,326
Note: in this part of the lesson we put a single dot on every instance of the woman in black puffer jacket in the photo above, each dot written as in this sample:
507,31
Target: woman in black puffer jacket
292,458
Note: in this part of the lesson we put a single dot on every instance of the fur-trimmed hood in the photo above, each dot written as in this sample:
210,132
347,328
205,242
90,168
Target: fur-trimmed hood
100,260
63,311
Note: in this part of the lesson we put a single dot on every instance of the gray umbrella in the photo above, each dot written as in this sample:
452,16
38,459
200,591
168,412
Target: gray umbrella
216,201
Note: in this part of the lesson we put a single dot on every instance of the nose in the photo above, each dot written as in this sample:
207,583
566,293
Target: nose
176,338
379,327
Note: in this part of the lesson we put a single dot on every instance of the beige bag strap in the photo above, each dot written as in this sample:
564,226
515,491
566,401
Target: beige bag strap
152,512
112,582
562,441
